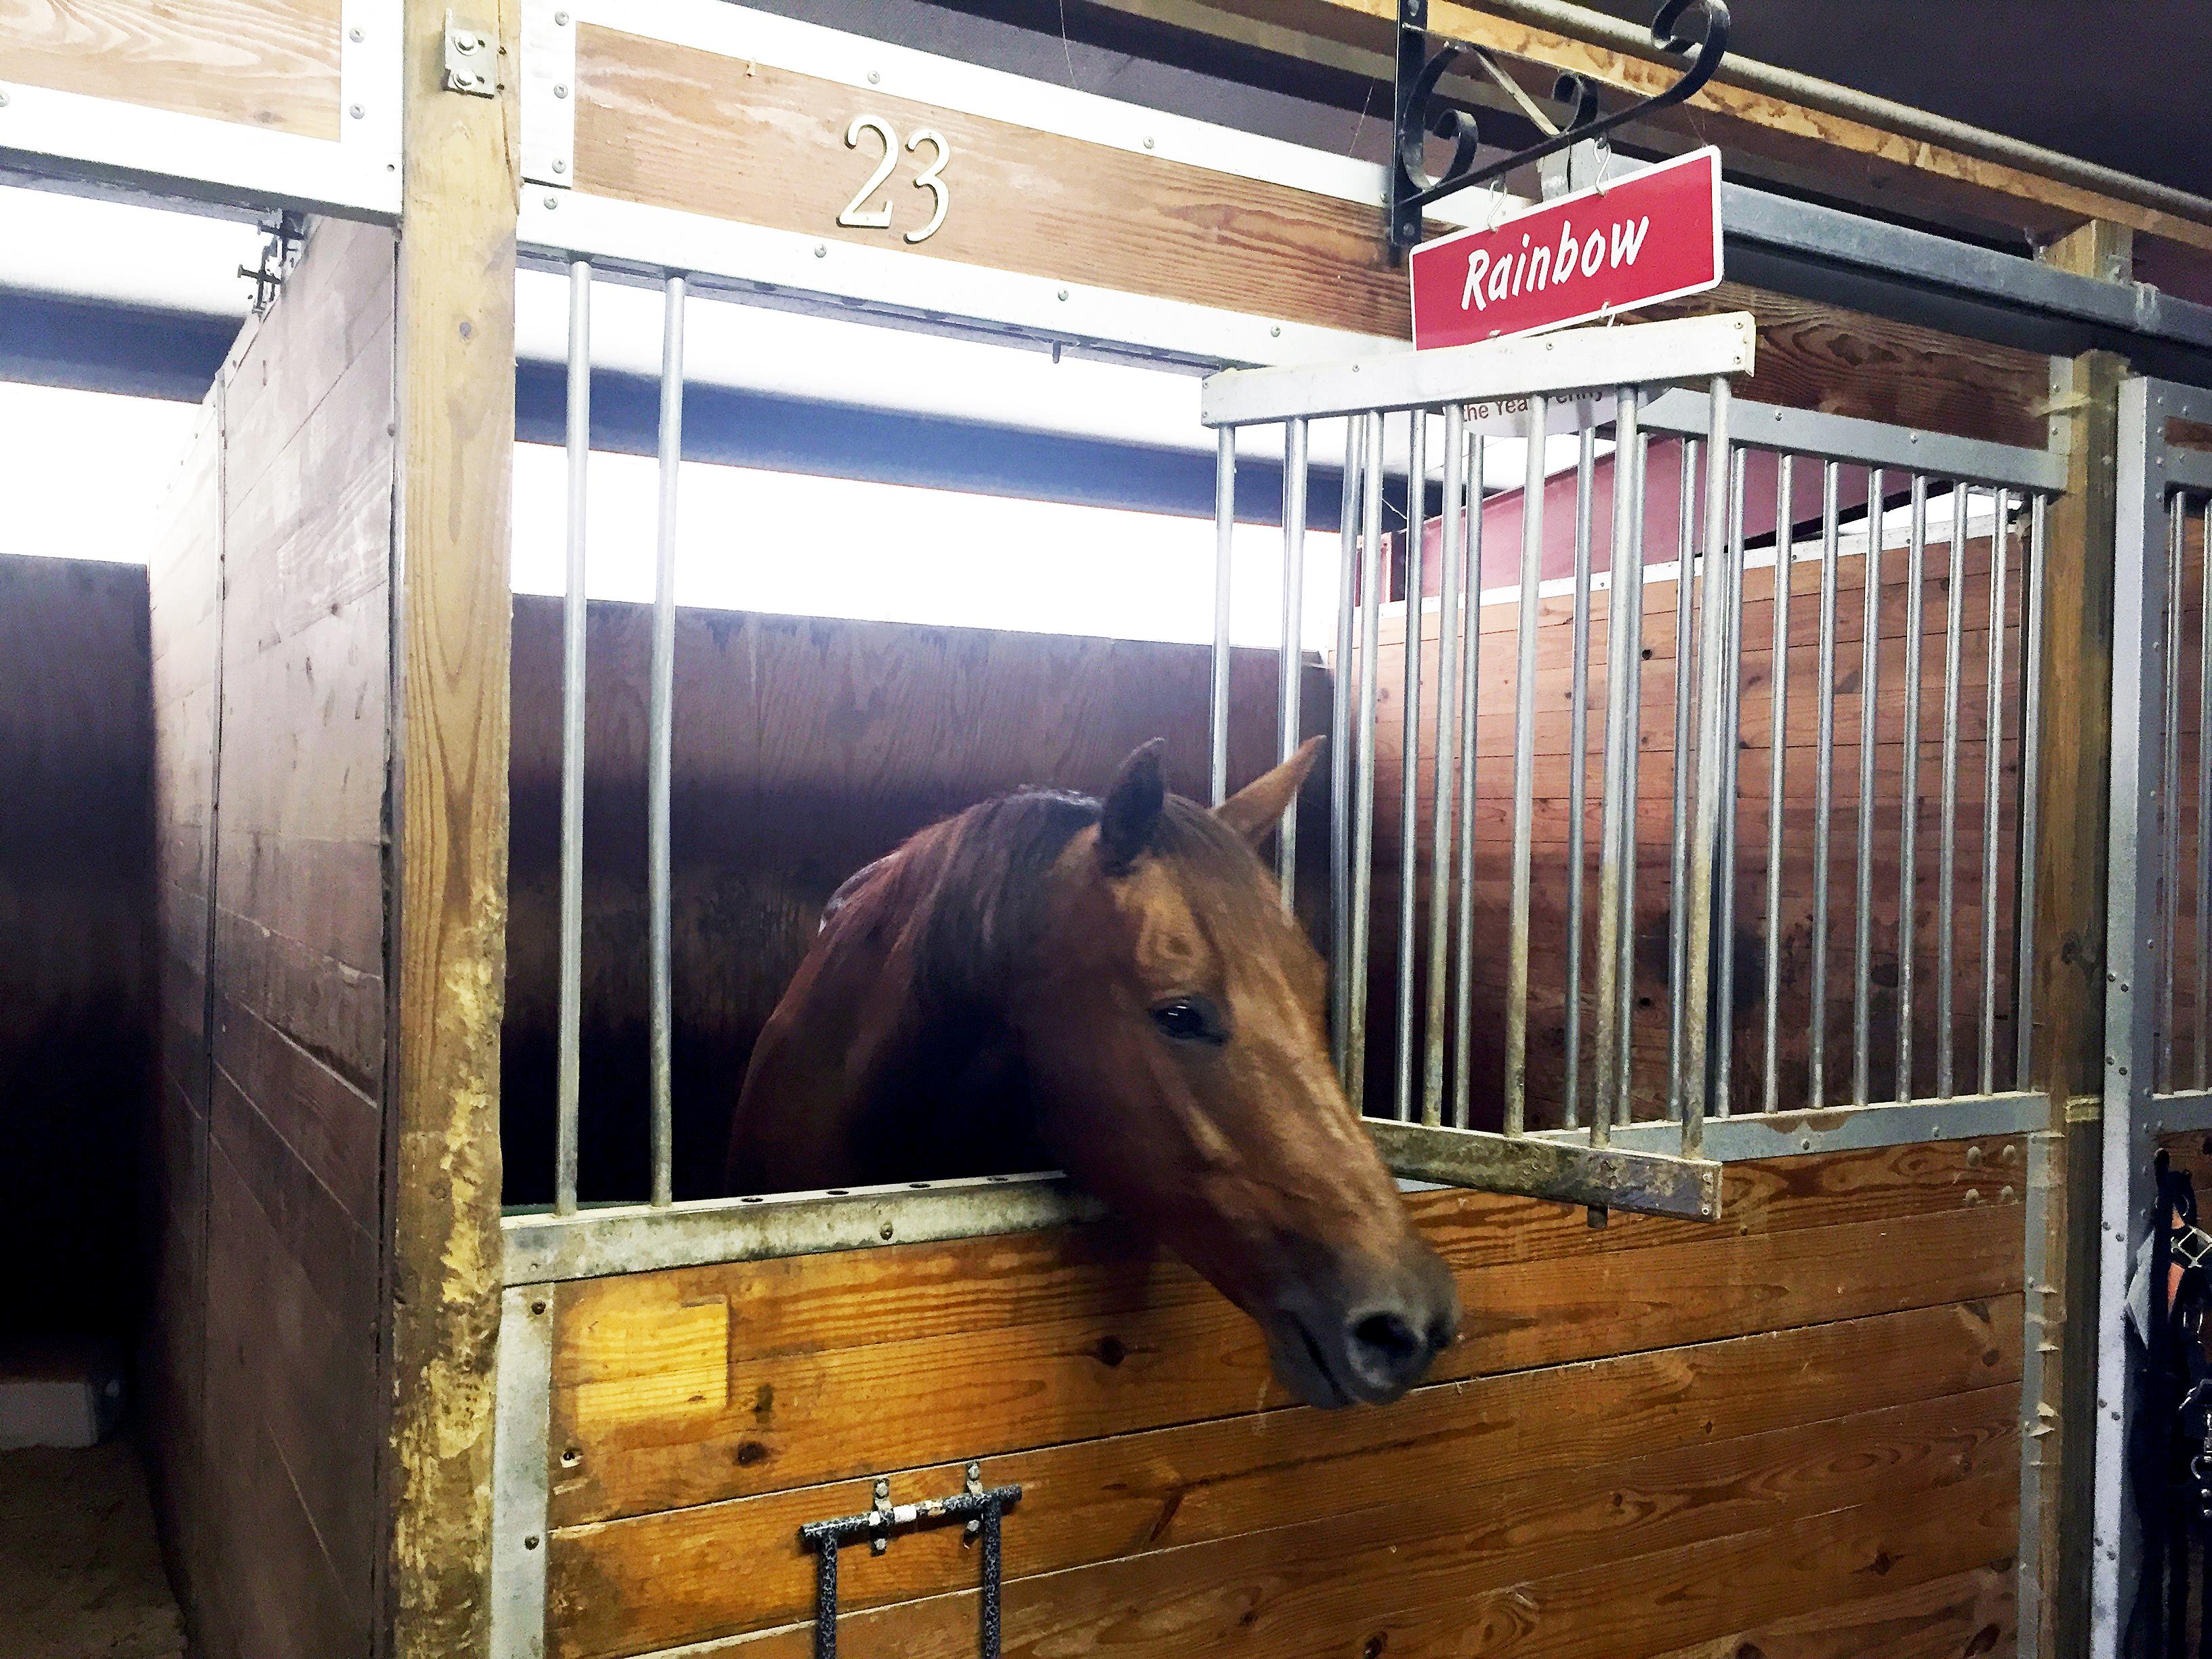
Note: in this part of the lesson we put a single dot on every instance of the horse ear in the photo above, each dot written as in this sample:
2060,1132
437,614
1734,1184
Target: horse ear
1132,807
1256,810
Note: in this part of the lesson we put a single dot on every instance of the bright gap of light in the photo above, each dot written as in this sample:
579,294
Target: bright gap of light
788,542
85,474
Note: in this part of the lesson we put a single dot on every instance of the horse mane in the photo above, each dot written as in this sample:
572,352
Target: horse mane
967,893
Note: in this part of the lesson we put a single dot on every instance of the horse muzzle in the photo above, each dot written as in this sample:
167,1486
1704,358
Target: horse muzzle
1365,1333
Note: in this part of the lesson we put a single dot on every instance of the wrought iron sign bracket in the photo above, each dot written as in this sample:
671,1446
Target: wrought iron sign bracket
978,1507
1698,29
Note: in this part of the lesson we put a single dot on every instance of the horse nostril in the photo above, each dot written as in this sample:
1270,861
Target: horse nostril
1388,1343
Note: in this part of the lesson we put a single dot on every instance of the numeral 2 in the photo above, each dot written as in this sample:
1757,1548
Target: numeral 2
859,216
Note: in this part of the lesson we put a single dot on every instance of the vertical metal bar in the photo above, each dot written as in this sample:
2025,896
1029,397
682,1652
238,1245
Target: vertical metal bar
2169,907
2140,665
2203,1043
1524,770
1823,778
1731,755
573,609
1915,561
1578,767
1224,535
1624,663
1363,833
1630,597
1291,655
1448,615
825,1597
2031,773
1678,916
1470,692
1342,741
661,720
1992,783
1948,858
1869,711
1409,758
1779,748
993,1579
1704,1080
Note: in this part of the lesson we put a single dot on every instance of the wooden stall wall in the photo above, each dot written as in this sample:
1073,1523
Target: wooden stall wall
1792,1432
804,748
271,613
1656,780
76,873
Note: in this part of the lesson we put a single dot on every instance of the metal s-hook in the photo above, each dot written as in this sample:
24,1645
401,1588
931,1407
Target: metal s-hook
1680,27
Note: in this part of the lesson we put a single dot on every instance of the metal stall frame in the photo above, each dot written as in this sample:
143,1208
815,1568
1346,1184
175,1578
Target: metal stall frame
2160,486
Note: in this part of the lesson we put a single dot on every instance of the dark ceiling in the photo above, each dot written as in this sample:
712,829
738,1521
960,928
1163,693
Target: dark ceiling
2126,82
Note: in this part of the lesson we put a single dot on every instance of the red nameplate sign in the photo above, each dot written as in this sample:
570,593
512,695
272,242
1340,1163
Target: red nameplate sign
1654,235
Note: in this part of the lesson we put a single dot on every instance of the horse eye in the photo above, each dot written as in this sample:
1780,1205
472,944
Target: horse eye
1189,1019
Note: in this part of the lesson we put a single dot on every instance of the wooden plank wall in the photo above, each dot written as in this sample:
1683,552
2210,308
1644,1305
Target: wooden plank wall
185,587
804,748
281,618
269,65
75,875
1655,787
1793,1432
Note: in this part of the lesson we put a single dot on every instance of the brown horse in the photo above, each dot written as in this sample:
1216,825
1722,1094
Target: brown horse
1111,988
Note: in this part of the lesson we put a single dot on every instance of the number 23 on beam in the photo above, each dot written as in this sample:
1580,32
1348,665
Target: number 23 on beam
931,178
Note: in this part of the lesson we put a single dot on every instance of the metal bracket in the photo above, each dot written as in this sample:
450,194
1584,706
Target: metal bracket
980,1507
471,59
286,233
1416,114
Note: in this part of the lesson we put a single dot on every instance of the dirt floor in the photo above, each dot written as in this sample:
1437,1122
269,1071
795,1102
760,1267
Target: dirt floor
80,1575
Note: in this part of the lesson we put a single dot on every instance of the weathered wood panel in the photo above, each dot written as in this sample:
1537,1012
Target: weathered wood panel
679,127
271,64
183,592
1826,1371
270,623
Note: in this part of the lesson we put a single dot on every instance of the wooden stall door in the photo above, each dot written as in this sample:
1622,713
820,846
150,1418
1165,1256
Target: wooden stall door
271,624
1795,1431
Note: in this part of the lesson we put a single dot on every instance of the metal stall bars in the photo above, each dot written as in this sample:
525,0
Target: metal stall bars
1844,491
1633,363
2152,1090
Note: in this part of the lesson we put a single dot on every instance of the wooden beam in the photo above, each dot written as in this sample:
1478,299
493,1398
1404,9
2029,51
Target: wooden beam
1765,135
448,793
2070,1001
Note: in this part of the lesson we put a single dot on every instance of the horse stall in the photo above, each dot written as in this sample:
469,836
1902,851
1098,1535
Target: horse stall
1724,990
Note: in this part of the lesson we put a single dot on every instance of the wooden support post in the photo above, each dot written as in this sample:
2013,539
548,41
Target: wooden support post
2070,969
451,619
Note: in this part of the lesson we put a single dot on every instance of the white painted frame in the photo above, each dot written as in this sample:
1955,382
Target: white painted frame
561,222
81,135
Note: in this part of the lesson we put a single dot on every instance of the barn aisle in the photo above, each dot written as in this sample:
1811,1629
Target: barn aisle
81,1574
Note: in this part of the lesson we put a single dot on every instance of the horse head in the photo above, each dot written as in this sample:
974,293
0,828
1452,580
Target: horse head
1175,1031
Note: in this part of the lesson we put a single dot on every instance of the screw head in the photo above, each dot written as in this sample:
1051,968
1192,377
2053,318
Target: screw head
1063,293
560,166
561,91
357,35
874,79
822,250
530,1543
1148,143
552,201
561,20
885,1233
538,1307
357,112
1276,333
3,100
883,1489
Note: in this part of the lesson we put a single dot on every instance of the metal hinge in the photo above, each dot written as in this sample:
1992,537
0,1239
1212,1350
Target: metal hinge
471,59
979,1506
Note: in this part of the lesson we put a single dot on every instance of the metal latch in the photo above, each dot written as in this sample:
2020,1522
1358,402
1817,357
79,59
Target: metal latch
471,65
978,1506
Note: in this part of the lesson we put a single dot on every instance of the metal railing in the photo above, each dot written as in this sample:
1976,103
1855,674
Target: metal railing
1842,493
